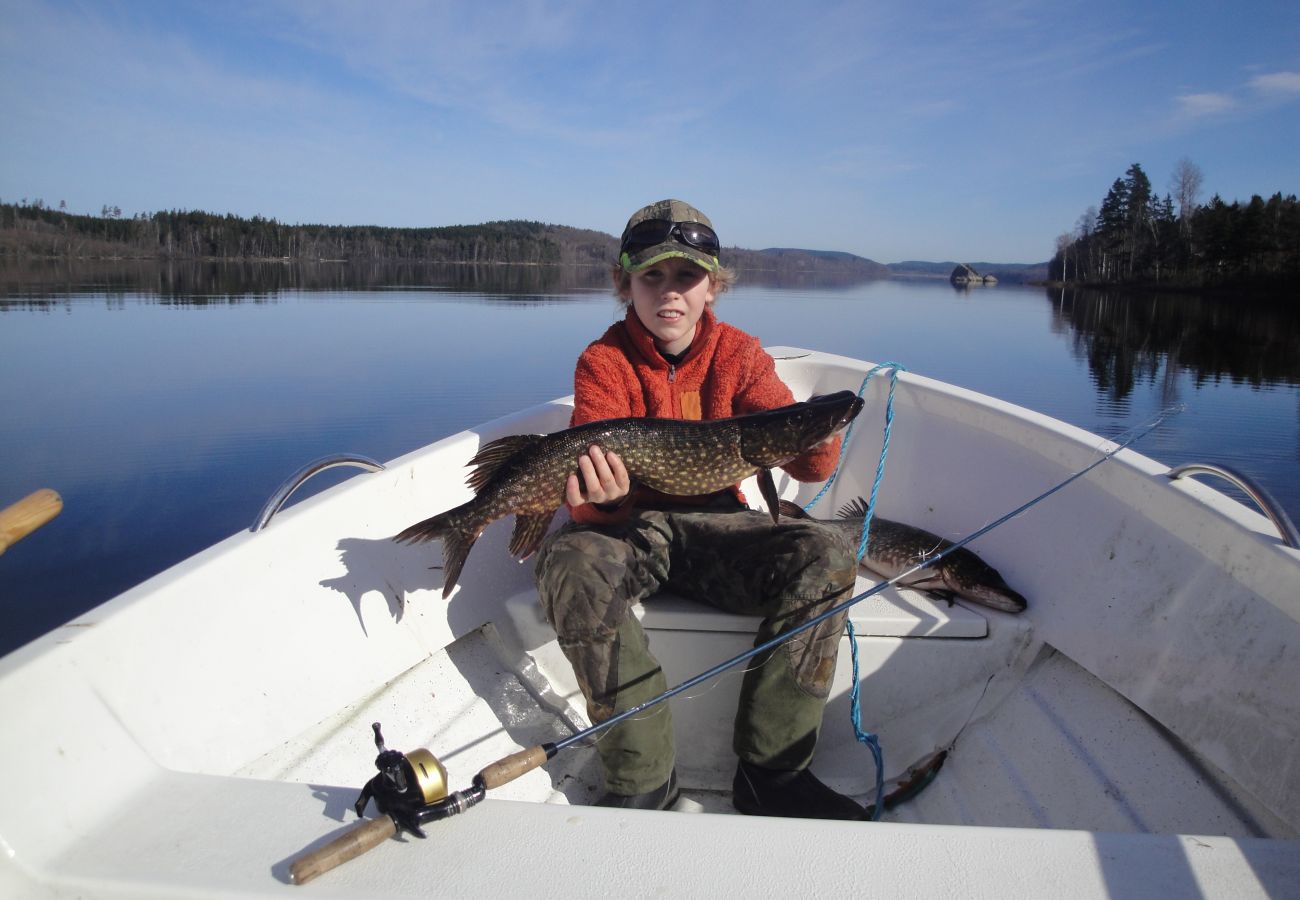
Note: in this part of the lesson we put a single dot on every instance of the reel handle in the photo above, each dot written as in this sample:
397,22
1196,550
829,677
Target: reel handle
363,836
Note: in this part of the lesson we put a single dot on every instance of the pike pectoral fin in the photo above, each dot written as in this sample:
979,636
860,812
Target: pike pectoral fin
767,487
942,594
792,510
528,534
630,496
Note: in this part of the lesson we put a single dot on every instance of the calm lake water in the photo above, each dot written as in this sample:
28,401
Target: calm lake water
167,404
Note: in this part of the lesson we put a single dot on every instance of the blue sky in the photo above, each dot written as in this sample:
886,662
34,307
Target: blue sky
917,130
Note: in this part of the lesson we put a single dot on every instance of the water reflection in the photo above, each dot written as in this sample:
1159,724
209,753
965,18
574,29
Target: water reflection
200,282
35,283
1127,338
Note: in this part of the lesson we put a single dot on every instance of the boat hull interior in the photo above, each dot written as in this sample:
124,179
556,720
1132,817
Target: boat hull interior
1139,721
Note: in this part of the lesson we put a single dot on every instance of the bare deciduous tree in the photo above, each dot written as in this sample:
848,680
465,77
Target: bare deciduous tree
1185,184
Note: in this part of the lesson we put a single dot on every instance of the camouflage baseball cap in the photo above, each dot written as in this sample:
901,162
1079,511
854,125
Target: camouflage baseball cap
666,229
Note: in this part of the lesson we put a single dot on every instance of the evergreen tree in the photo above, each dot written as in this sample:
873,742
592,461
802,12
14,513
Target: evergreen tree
1110,228
1137,242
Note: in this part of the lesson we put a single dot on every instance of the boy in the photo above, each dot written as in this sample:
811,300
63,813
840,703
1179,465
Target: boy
671,358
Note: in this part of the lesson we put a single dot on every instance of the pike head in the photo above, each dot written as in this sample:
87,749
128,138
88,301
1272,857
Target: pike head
776,436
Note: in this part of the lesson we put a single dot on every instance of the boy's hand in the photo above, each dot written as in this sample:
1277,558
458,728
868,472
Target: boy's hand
601,475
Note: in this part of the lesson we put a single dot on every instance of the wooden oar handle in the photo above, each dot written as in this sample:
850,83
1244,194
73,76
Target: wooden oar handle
510,767
352,843
28,514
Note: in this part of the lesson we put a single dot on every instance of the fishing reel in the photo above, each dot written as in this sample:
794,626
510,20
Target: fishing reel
411,788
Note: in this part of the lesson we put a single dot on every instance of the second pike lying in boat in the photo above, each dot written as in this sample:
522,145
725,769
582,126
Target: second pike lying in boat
524,475
894,547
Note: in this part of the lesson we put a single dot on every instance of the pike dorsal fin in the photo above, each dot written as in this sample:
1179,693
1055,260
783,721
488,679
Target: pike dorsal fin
854,509
528,534
492,454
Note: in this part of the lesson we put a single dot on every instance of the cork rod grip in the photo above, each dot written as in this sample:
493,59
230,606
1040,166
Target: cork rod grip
352,843
510,767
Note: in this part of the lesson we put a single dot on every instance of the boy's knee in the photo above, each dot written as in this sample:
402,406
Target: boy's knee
577,585
827,564
831,546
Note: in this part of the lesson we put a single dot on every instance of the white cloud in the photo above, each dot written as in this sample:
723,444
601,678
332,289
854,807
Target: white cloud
1277,83
1197,105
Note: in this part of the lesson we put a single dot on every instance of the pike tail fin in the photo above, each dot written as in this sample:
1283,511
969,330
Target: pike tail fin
457,541
433,528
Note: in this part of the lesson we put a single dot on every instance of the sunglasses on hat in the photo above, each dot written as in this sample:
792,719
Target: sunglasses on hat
644,235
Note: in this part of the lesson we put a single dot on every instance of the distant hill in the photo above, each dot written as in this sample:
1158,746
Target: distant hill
793,261
1015,273
836,255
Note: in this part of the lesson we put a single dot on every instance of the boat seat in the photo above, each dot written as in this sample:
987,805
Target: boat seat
891,613
894,613
904,650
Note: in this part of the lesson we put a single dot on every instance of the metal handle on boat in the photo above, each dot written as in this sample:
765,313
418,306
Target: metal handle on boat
1251,488
297,478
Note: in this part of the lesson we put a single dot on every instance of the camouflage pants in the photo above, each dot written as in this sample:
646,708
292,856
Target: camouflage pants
589,577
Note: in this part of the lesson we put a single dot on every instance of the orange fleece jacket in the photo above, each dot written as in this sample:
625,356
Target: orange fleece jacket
725,373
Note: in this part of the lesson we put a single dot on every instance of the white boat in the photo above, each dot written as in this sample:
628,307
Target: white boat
1133,733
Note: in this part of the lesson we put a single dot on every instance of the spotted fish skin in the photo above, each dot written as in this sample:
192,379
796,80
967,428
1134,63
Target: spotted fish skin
894,547
525,475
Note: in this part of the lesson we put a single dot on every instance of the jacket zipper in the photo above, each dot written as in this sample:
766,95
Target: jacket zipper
672,373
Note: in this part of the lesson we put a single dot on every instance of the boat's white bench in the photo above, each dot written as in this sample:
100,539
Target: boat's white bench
925,669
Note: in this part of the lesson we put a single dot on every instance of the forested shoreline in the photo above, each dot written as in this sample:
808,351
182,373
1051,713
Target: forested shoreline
33,230
36,230
1139,238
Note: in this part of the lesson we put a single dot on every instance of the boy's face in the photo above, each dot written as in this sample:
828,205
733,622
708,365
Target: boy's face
669,297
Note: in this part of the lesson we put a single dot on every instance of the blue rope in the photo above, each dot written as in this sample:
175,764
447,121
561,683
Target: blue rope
871,741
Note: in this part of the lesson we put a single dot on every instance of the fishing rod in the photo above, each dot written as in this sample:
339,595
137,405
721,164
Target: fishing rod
410,789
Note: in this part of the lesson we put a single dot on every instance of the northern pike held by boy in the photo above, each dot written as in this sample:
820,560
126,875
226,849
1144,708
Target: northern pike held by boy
894,547
524,475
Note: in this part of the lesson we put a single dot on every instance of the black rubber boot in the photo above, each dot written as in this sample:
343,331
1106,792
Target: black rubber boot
661,797
767,792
